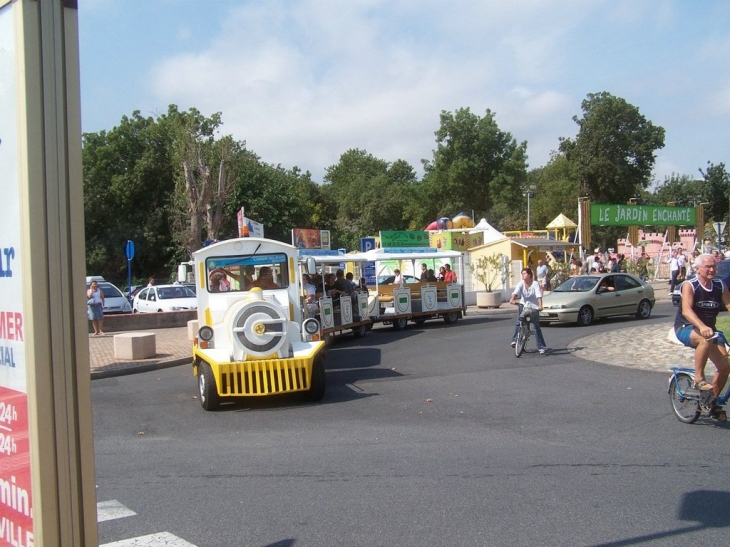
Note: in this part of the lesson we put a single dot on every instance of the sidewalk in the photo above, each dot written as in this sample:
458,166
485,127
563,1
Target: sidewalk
637,346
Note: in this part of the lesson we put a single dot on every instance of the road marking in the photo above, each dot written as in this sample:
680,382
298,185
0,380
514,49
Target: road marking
164,539
110,510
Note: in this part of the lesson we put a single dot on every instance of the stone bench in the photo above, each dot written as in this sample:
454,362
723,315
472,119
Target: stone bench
134,345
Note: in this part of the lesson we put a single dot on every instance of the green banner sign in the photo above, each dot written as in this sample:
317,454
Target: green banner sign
403,238
642,215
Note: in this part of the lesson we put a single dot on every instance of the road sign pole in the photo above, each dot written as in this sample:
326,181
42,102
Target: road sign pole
129,251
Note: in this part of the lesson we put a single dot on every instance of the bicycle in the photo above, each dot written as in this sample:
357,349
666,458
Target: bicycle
527,317
689,403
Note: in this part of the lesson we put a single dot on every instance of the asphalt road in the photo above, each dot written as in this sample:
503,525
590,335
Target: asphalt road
435,436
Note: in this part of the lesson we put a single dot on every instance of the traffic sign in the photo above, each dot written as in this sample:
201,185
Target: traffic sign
720,228
129,249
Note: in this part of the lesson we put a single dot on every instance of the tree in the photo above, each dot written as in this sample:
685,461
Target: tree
369,194
718,190
203,181
475,167
280,199
681,189
557,190
614,151
128,178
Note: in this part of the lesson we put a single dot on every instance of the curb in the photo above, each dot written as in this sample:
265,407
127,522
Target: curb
100,374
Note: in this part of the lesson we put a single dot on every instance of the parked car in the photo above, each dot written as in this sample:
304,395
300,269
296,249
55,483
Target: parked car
723,272
158,298
114,299
386,279
131,294
583,298
191,286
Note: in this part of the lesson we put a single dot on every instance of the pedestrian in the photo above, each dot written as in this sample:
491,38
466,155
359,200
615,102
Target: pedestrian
673,262
542,275
95,307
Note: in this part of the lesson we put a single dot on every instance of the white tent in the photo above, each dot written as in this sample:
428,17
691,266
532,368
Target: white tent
490,232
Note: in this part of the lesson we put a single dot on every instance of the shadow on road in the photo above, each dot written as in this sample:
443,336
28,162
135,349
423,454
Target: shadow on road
708,508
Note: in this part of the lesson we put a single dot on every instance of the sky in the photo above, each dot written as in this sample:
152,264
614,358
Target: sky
303,81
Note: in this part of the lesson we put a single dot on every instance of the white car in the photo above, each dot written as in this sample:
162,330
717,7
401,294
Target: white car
160,298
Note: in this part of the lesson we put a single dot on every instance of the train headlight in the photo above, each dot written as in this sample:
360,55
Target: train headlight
310,329
205,333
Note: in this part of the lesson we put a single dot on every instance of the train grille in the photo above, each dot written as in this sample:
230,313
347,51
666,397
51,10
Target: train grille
264,377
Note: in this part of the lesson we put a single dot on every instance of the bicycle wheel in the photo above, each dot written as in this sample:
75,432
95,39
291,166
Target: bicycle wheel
686,409
521,340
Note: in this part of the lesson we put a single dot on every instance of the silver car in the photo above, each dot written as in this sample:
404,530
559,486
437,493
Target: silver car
583,298
114,300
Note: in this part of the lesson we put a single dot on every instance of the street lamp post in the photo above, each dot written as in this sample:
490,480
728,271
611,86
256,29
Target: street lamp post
530,193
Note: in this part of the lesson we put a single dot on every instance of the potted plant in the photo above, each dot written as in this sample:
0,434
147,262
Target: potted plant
488,270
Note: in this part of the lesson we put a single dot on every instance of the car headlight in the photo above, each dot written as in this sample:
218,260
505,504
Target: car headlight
205,333
558,307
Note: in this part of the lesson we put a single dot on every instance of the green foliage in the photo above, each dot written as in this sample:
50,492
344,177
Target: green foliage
614,151
557,190
368,194
128,178
680,187
487,269
141,178
476,167
718,190
280,199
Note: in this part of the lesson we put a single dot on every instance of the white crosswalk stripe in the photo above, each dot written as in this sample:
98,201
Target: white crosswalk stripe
163,539
110,510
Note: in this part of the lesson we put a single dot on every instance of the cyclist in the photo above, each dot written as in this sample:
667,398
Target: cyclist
702,299
530,296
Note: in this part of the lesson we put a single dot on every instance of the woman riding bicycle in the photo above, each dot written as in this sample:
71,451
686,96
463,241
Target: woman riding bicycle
530,297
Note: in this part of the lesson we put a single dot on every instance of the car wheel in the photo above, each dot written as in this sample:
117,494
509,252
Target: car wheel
209,399
585,316
644,310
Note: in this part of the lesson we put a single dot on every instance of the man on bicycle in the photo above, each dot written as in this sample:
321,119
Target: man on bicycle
530,296
702,299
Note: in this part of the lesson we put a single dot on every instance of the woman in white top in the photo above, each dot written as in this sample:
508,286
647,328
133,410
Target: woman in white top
530,296
95,307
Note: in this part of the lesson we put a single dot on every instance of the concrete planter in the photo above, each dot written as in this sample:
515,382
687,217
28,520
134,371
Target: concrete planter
489,299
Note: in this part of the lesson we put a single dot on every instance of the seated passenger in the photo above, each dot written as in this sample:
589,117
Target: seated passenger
265,279
218,281
247,280
342,285
430,276
310,295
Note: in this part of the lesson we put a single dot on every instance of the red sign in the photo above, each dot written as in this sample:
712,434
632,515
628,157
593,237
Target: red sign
16,505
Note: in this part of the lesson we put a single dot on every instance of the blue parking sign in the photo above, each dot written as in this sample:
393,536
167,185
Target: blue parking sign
367,244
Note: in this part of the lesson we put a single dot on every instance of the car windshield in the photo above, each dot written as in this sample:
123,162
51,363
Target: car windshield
168,293
110,291
578,284
242,273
